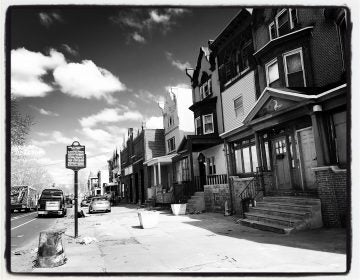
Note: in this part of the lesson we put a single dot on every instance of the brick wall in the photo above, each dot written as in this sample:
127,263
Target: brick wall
154,143
268,182
332,191
238,185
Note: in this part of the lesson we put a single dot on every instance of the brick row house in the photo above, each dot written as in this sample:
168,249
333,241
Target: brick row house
279,77
135,175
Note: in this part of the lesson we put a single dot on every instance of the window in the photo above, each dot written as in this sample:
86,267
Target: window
208,122
171,144
238,106
211,165
284,22
170,121
206,89
272,73
198,126
243,57
294,69
246,157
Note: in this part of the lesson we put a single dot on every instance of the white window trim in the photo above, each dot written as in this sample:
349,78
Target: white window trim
277,20
169,140
299,50
212,121
196,127
271,62
272,24
242,113
202,91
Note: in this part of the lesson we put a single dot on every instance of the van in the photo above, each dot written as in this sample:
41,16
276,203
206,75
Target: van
52,201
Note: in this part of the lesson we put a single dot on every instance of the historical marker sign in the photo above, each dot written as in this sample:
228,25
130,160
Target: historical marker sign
75,156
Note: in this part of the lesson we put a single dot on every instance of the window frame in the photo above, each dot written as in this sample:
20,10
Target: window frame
275,22
342,20
270,25
242,105
172,139
248,144
212,121
196,126
267,65
203,94
298,50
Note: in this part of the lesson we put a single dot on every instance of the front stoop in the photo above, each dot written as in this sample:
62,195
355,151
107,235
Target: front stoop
196,204
283,214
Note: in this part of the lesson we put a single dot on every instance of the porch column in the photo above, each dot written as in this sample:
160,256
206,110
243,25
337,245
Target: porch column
321,145
154,168
159,173
258,150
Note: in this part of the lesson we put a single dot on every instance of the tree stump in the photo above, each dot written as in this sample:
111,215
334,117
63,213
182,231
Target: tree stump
51,251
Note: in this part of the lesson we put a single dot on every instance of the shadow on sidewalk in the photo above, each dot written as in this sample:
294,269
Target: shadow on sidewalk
332,240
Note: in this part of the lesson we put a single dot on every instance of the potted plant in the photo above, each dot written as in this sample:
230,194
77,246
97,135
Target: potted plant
179,208
148,218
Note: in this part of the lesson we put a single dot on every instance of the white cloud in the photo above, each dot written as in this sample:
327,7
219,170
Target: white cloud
44,112
110,115
154,122
138,38
47,19
177,63
28,68
86,80
148,97
158,18
55,137
181,85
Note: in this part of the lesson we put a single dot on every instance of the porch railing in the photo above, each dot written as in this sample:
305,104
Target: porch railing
216,179
249,194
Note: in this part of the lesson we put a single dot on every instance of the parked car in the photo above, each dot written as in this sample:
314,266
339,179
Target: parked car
52,201
85,202
99,203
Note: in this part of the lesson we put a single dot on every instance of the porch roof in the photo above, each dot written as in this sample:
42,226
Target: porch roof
197,143
162,160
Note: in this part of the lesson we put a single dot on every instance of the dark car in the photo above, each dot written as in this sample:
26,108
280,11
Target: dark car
52,201
99,203
85,202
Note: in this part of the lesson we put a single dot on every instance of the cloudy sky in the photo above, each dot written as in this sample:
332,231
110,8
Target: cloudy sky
89,73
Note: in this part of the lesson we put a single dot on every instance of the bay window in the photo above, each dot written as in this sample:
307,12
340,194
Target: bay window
272,73
198,130
206,89
294,68
208,124
245,156
284,22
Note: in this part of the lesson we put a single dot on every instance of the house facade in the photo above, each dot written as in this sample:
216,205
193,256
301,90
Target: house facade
135,176
285,113
178,123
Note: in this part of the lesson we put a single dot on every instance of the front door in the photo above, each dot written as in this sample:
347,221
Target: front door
281,163
202,172
308,156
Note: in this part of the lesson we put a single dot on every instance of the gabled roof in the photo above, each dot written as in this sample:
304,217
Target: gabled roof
287,95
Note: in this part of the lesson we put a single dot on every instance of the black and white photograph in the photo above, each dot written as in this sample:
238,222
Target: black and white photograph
178,140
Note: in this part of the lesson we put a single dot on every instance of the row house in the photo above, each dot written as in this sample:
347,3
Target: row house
164,171
135,176
97,182
279,77
114,187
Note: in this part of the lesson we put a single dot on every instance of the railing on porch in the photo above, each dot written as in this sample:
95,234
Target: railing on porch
216,179
249,194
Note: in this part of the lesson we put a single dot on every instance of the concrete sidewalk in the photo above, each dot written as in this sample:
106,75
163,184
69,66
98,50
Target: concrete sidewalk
207,242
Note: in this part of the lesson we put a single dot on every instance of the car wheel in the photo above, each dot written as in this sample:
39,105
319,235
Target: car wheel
90,212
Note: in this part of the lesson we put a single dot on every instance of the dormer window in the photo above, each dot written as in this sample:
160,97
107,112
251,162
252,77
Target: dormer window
206,89
284,22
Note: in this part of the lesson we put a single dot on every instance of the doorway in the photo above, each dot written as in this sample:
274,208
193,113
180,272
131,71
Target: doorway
281,163
202,171
307,157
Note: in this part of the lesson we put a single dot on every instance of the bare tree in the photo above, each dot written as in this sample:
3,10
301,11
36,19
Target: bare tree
19,125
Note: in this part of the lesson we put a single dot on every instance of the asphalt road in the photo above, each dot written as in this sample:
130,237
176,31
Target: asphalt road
25,228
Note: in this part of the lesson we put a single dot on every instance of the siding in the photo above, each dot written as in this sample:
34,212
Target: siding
218,153
244,87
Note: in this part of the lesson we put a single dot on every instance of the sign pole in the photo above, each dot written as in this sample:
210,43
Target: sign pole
76,202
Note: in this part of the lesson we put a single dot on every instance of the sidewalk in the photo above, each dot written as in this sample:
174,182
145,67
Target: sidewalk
207,242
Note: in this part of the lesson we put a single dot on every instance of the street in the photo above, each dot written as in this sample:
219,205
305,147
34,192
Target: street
207,242
25,227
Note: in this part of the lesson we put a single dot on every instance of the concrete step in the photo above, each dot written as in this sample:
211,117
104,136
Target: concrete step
271,219
280,212
265,226
199,194
292,200
284,206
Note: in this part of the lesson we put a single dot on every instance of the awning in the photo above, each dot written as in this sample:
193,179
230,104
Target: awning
162,160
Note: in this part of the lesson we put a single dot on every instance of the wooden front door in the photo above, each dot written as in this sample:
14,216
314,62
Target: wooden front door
308,157
281,163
